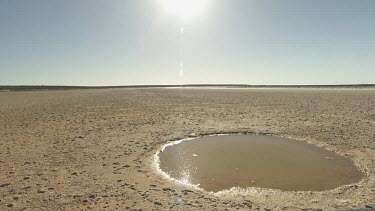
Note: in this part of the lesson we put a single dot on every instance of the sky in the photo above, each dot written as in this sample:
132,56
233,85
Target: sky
139,42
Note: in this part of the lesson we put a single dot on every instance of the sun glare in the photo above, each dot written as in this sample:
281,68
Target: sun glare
184,9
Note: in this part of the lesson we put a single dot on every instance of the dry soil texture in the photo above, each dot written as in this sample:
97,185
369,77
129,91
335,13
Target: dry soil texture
94,149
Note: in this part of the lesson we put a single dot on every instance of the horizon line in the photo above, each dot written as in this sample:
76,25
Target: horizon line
65,87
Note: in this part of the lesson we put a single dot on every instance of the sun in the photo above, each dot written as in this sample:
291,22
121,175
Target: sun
184,9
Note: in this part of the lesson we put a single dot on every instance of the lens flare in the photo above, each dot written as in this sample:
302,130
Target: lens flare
184,9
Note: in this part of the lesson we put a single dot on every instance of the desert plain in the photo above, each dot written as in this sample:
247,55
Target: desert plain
95,148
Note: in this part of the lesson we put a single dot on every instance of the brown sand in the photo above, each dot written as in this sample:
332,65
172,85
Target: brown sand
83,149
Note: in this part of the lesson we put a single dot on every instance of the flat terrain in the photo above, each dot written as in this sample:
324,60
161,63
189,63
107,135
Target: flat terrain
82,149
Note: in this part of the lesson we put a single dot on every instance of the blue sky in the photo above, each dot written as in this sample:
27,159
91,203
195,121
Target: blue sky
123,42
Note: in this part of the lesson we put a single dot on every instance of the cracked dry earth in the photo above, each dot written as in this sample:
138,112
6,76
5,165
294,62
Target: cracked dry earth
94,149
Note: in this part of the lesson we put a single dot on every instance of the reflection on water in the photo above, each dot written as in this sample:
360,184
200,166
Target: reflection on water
221,162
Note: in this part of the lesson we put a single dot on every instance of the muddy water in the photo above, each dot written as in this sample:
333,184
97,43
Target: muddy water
222,162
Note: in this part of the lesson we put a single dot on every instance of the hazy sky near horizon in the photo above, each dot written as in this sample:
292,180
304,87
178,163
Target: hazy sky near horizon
123,42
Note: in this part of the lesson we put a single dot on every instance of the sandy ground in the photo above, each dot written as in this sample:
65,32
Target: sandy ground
94,149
